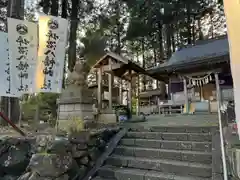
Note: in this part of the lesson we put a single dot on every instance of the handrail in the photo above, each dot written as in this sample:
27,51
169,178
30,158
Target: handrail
5,118
110,147
224,162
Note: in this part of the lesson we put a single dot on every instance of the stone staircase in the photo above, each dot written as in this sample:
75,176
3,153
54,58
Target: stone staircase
173,153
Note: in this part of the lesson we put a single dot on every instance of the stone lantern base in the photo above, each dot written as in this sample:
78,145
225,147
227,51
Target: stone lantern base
75,103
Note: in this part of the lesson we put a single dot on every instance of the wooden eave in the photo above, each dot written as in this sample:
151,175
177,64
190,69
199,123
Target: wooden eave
150,93
191,67
124,68
105,87
114,57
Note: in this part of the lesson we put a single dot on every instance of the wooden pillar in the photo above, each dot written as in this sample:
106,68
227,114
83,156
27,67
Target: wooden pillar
130,92
137,94
120,91
201,93
218,90
99,93
186,95
110,84
170,95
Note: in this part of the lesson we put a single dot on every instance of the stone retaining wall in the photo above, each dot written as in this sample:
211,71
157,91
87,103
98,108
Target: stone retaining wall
48,157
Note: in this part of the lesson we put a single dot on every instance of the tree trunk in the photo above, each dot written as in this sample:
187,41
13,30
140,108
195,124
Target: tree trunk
54,7
73,35
64,15
189,38
161,84
200,29
64,9
177,35
46,6
155,59
173,40
118,50
160,41
193,32
212,25
169,47
155,55
144,62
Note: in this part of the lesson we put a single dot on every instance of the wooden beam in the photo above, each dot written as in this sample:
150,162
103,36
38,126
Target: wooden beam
219,70
108,68
113,56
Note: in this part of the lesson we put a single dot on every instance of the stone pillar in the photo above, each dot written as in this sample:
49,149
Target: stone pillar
186,95
110,84
130,91
99,93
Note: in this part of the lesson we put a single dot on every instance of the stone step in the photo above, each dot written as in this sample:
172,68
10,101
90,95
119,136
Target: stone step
164,144
137,174
166,166
201,137
100,178
178,129
181,155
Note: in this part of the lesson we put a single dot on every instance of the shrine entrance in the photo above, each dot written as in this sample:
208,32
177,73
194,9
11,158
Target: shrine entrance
194,74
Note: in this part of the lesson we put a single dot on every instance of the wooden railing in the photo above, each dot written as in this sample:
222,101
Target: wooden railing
162,109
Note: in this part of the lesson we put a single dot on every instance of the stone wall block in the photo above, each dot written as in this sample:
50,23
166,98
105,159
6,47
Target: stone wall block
50,165
79,137
48,157
15,157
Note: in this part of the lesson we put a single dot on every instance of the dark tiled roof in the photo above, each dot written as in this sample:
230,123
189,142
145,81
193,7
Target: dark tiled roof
209,50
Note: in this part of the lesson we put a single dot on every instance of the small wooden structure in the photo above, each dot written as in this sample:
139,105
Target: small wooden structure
120,67
199,68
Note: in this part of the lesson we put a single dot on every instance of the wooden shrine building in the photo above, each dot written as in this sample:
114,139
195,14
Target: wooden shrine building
193,73
116,66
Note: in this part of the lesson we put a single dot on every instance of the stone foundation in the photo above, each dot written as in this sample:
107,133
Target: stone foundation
107,118
76,103
47,157
66,111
